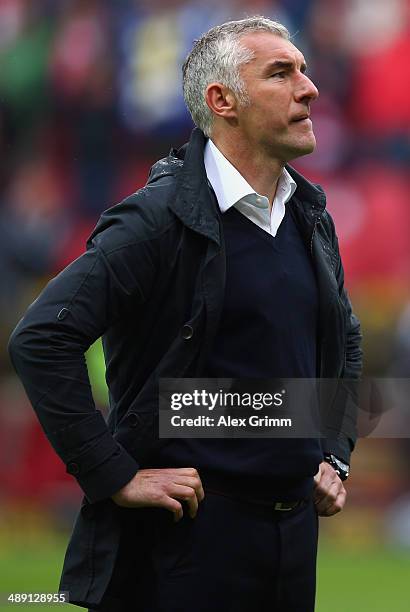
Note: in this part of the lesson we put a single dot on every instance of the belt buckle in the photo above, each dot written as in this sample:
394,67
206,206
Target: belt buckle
285,506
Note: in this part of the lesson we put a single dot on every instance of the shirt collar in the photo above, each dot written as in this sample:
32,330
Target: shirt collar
230,186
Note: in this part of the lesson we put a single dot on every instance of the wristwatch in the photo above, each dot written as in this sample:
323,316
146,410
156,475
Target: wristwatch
342,469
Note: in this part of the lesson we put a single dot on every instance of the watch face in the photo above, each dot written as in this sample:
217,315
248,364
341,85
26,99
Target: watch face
341,468
342,465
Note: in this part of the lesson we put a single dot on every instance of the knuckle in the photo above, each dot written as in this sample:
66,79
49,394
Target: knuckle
171,504
157,496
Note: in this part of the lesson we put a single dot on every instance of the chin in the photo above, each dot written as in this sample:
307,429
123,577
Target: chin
309,148
303,148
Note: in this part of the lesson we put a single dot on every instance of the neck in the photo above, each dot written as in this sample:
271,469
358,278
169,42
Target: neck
262,174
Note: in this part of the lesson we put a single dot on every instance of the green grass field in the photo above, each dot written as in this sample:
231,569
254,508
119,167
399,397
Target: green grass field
347,582
374,581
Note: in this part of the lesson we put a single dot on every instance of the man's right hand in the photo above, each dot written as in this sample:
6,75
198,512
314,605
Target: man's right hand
163,488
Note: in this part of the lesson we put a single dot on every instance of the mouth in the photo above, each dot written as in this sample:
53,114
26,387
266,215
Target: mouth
303,120
299,118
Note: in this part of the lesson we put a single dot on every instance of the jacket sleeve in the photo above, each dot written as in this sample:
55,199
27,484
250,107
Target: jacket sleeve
48,345
347,391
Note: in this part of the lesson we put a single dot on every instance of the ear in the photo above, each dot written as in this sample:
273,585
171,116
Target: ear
221,100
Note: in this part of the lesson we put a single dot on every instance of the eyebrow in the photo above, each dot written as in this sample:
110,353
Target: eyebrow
284,65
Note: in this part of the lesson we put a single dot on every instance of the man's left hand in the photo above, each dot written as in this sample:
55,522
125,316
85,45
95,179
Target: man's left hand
330,494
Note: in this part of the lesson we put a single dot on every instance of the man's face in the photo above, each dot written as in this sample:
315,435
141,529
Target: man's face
280,94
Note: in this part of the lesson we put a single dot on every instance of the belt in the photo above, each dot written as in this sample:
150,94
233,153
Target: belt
265,508
286,506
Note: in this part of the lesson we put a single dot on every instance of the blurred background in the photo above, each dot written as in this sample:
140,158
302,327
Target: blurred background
90,97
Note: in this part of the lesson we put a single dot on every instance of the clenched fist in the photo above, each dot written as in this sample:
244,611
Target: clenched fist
162,488
330,494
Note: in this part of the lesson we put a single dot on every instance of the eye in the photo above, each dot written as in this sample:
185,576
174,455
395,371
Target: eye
281,74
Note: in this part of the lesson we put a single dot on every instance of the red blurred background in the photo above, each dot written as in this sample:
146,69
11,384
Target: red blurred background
90,96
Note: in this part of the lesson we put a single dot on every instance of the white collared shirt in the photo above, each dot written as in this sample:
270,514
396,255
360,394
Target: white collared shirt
231,189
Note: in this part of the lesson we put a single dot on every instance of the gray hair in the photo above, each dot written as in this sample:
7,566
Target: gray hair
218,56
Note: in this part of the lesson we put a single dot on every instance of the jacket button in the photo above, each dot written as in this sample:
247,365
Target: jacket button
62,314
133,419
73,468
187,332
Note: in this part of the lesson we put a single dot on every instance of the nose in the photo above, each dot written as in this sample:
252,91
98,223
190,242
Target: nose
306,89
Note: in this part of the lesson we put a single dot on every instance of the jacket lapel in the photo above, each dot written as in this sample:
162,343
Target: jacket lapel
196,206
307,206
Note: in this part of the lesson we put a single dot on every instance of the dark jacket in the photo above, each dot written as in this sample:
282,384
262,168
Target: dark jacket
152,284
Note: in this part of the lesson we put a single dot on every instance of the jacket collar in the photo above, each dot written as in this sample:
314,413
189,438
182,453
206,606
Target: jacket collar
310,194
194,202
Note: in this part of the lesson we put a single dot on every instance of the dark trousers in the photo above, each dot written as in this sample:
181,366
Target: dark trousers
234,556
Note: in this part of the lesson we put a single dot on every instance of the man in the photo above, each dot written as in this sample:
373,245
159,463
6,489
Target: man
225,264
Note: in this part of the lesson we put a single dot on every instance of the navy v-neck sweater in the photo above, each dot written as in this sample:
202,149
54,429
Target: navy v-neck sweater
269,322
268,329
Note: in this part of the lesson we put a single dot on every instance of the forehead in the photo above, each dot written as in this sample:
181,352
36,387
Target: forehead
269,47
